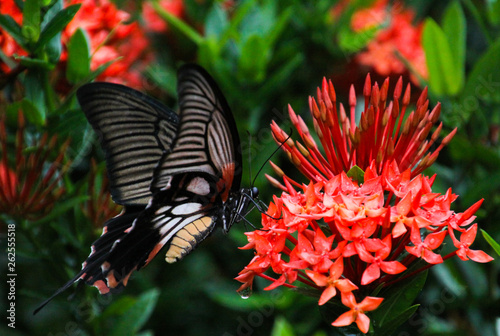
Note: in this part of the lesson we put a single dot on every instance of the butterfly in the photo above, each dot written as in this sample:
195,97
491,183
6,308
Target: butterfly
177,176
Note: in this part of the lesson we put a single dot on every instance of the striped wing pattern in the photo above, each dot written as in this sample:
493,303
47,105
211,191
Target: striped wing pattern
205,142
176,179
135,131
190,184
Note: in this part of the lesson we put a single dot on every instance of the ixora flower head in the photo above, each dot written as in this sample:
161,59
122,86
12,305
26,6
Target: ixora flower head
368,218
30,178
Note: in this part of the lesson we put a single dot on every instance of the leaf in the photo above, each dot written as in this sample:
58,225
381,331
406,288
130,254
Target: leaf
390,327
35,63
282,327
34,91
493,11
484,80
54,46
78,66
13,29
357,174
216,22
31,20
351,42
133,319
56,25
454,27
495,245
254,56
30,111
399,297
442,76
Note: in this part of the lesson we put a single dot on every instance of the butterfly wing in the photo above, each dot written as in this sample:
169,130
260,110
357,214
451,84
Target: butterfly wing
207,139
135,131
190,185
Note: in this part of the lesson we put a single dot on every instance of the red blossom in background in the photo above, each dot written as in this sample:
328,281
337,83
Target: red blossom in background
111,36
398,37
156,24
7,44
352,235
30,184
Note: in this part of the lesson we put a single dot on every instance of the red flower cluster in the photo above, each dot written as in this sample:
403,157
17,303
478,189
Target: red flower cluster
30,190
351,235
110,33
399,36
7,44
111,37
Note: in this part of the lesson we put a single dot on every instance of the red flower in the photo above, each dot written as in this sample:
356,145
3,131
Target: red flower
357,312
357,235
31,190
332,282
156,24
111,36
466,240
7,44
397,38
424,249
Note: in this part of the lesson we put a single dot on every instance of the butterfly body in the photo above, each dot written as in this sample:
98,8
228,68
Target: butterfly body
178,177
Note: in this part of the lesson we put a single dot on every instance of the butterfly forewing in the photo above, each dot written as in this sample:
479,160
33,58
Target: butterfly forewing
134,130
207,139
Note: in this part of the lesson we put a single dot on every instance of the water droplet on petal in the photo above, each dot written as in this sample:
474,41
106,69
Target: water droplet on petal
245,292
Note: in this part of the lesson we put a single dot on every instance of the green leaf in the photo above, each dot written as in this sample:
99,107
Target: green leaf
56,25
390,327
454,27
357,174
13,29
351,42
253,59
216,22
35,63
442,76
282,327
134,318
60,209
34,91
78,66
31,20
491,241
399,297
493,11
484,80
30,111
54,46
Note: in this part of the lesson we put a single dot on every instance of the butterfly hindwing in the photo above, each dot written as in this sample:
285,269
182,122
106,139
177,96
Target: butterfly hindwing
135,131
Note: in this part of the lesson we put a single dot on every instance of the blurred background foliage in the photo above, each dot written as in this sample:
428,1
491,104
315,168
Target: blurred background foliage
264,55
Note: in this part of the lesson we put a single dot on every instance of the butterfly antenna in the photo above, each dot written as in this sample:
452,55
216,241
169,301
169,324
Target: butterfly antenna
270,156
249,157
258,206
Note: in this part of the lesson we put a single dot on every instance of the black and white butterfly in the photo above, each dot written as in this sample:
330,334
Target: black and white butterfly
178,177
